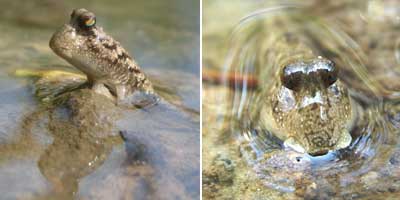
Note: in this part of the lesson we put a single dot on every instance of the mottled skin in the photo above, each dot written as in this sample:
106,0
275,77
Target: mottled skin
108,67
311,107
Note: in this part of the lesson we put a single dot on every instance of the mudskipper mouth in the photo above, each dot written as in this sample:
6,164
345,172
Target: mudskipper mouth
63,48
319,153
319,140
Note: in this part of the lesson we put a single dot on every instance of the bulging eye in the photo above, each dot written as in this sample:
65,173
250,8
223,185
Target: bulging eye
292,77
318,72
328,73
90,22
87,21
328,78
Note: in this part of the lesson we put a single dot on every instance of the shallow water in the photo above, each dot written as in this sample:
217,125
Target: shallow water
375,137
368,166
163,38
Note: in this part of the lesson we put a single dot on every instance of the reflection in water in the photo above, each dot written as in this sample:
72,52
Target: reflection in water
83,136
84,130
257,51
168,149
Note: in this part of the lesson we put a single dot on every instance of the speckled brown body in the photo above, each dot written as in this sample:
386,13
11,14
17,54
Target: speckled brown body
303,101
306,104
314,117
109,68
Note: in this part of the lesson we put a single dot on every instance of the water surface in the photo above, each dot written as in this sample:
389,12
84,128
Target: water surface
342,32
160,154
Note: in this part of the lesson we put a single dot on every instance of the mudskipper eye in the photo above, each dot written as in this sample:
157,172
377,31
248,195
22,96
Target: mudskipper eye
87,21
292,77
328,73
90,22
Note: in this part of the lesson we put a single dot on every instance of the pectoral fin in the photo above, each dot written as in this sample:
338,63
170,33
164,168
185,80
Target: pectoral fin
344,141
293,144
100,88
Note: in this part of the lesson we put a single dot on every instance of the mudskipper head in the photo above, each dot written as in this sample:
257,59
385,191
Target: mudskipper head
312,106
66,41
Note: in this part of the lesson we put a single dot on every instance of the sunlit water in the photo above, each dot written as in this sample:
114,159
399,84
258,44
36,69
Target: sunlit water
159,157
371,162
